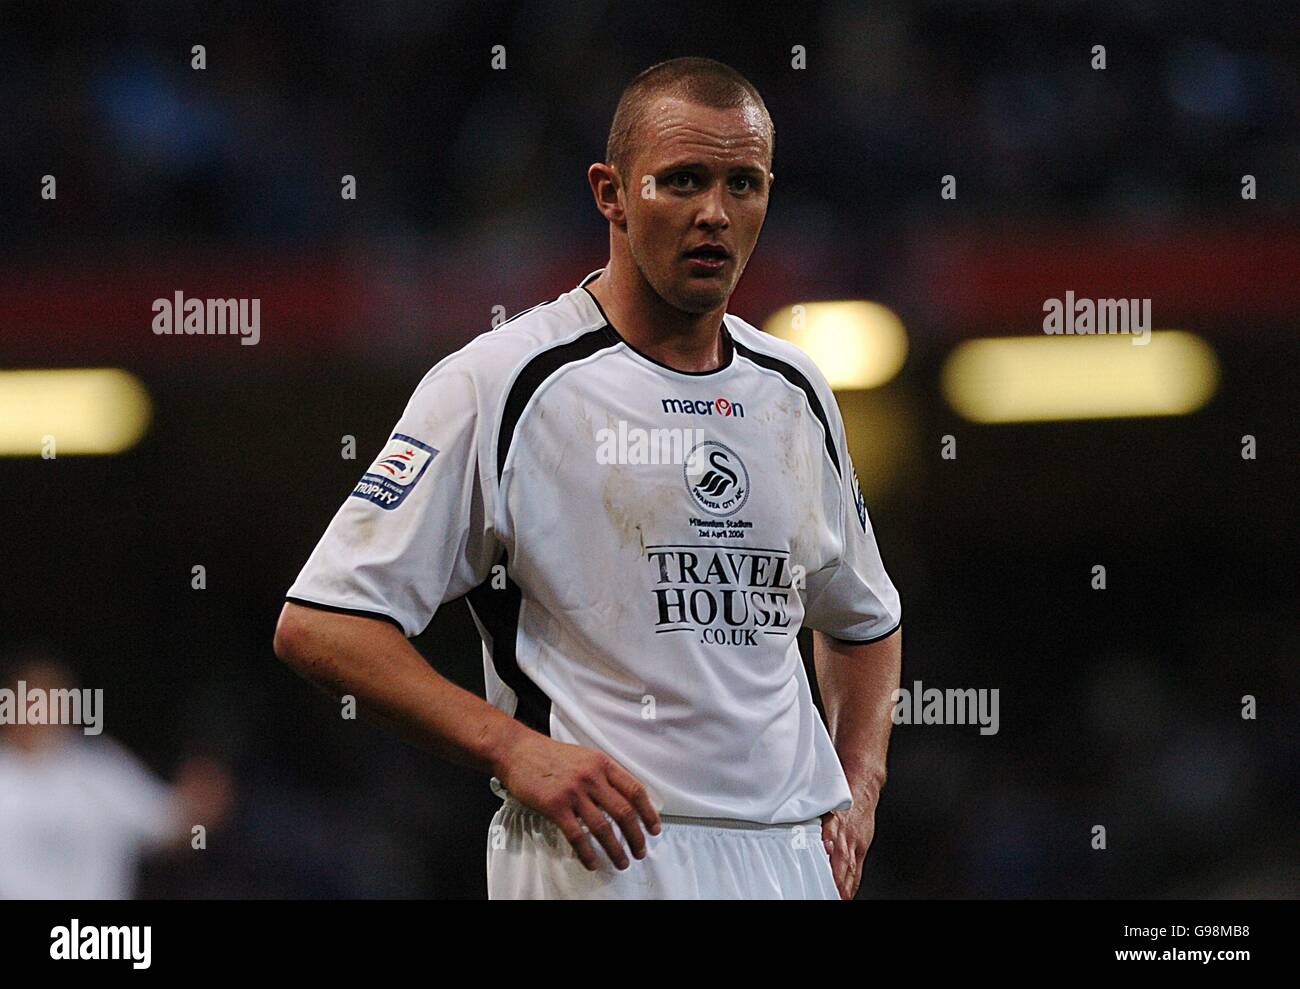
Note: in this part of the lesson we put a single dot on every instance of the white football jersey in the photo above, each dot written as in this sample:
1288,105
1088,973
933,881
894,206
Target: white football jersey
638,545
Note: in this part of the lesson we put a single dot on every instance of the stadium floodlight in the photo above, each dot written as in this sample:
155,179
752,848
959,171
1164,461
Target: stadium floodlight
855,344
1038,379
71,411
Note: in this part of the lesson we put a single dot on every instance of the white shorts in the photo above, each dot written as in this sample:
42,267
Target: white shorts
692,858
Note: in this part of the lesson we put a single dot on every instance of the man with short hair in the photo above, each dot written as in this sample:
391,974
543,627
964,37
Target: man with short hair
639,615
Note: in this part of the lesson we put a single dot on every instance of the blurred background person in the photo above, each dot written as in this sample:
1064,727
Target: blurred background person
78,811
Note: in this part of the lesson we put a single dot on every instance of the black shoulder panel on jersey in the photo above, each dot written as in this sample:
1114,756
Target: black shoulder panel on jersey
498,611
797,378
535,373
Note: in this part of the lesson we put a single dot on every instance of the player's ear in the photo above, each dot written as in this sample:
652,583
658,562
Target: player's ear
606,188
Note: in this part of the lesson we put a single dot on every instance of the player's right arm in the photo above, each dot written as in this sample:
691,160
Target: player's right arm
417,532
374,662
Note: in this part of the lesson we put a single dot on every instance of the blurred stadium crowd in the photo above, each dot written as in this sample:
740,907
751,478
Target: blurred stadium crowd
1119,708
400,94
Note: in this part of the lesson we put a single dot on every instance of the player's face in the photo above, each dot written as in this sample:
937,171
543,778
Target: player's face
693,237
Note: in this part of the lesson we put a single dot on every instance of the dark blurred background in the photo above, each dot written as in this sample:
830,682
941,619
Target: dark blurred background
1119,707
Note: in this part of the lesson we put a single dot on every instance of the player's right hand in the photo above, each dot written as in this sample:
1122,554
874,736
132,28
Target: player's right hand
576,787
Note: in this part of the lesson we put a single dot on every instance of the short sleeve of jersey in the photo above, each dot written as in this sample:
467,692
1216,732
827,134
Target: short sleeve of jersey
415,532
851,598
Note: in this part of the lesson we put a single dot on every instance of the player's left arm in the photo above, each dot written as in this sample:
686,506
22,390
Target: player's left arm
856,614
857,681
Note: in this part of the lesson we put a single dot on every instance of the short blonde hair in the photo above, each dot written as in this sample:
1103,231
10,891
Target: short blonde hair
697,80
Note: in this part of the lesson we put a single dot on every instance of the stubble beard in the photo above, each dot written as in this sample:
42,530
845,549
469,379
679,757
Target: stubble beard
695,303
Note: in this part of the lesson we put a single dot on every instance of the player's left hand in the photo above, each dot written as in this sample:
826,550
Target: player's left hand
847,835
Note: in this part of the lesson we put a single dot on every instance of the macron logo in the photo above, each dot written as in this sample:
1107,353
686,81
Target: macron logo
77,943
704,407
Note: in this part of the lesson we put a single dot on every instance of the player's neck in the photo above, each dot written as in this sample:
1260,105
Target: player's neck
690,342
